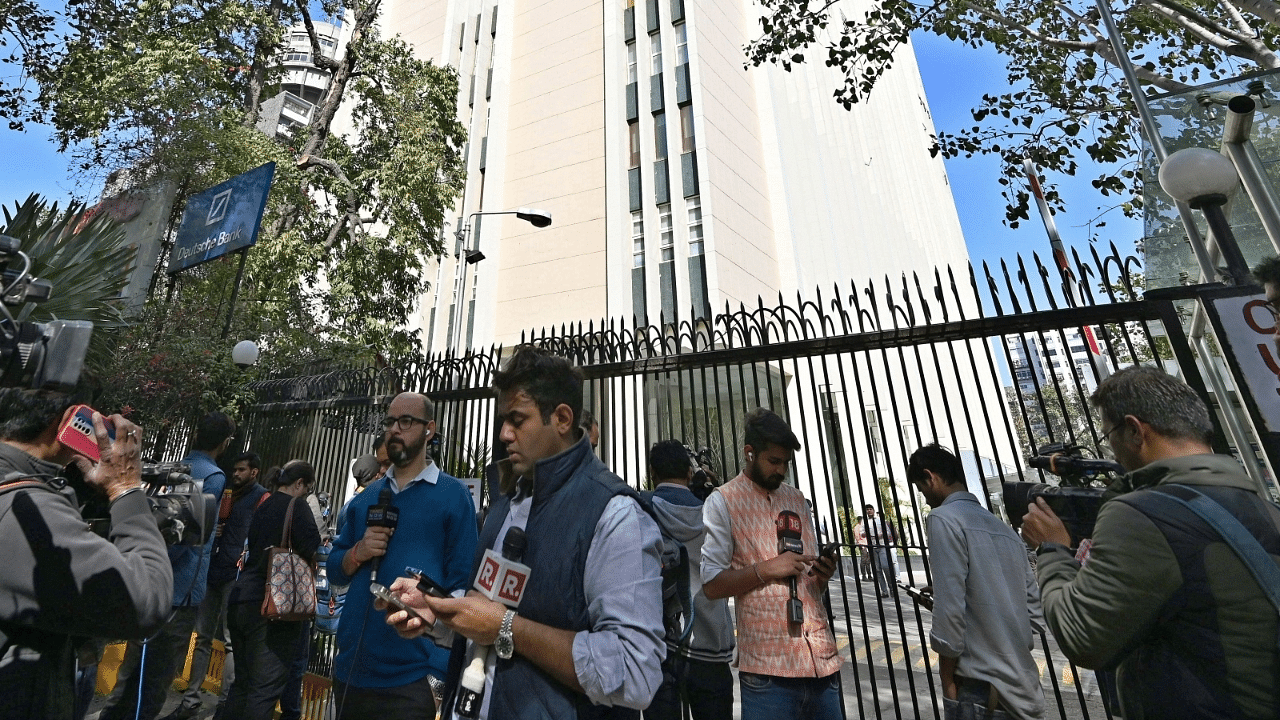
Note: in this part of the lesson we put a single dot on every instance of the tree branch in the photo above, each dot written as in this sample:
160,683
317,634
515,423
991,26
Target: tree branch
1204,27
318,58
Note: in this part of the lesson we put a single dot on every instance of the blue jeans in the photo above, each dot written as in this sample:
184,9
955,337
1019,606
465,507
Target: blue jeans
769,697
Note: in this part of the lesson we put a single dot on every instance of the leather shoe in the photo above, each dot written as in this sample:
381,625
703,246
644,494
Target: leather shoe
183,712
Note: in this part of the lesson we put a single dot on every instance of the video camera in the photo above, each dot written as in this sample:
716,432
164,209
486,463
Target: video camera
1076,501
704,482
184,514
36,355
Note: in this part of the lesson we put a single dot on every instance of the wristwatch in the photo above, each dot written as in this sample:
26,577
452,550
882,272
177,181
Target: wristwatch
1048,546
505,644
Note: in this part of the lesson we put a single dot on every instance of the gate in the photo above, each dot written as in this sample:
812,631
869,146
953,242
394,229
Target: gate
987,362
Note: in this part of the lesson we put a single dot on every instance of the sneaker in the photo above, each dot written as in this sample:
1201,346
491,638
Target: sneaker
183,712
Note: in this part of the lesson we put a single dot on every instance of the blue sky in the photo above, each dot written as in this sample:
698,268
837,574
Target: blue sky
955,77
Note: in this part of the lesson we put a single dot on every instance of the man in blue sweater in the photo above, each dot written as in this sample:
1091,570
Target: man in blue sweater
377,674
145,683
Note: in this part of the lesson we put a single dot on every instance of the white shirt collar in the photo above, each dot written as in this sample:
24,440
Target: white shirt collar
430,474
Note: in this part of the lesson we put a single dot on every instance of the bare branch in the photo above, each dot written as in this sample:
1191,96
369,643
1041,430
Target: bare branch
318,58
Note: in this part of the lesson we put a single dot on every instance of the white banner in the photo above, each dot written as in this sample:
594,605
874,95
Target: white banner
1250,331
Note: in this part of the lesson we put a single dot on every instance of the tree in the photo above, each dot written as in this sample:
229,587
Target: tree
167,91
27,39
1065,97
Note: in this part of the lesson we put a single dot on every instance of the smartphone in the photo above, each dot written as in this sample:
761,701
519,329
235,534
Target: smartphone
830,550
426,585
77,433
383,593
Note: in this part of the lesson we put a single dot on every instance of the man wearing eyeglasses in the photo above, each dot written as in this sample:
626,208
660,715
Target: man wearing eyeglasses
377,674
1163,597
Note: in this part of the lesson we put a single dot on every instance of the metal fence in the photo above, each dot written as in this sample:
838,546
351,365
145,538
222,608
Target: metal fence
864,373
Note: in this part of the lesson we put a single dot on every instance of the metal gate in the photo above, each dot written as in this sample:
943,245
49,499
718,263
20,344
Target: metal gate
984,361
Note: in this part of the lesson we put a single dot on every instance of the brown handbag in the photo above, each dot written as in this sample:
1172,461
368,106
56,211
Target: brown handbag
291,583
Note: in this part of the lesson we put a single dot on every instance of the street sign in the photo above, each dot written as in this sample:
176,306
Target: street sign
222,219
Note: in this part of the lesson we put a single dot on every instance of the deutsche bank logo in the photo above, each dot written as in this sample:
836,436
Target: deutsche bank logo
218,207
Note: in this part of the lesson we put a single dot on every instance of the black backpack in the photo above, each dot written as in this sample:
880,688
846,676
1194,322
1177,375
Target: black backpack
677,594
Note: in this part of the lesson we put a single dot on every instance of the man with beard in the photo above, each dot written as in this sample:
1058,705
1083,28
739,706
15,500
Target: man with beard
377,674
238,503
785,669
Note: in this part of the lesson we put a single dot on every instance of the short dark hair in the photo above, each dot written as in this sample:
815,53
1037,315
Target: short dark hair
1156,398
938,459
872,508
763,426
1268,270
252,458
588,420
26,413
377,442
212,430
549,379
295,470
669,459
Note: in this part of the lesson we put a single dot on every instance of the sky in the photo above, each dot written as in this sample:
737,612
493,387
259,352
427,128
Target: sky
955,77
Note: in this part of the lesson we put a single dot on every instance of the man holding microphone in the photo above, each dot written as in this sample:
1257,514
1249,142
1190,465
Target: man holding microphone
587,638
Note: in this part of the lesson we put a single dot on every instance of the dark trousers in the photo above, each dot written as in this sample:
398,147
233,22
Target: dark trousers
291,698
705,687
406,702
264,653
147,675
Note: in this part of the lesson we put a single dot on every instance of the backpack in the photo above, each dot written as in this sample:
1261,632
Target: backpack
677,595
329,599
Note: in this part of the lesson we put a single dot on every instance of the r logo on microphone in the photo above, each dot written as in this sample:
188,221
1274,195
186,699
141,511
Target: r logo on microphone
512,586
489,569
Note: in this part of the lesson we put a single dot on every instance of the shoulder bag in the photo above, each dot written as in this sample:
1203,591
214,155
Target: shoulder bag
291,584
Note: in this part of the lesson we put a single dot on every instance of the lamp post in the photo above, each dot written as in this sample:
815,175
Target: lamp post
533,216
1204,179
245,354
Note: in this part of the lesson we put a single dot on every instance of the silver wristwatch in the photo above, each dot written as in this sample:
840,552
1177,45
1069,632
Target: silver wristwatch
505,644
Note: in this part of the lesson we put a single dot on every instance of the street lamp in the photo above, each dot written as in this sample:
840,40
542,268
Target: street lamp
533,216
1204,179
245,354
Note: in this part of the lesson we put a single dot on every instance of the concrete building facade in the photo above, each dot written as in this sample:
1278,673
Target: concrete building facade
678,180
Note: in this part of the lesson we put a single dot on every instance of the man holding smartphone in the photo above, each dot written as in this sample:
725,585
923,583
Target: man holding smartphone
785,669
59,583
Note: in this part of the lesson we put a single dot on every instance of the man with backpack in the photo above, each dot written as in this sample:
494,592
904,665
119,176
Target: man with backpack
1169,594
699,631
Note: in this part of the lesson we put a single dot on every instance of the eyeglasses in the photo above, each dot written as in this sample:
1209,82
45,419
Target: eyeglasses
1106,436
1271,308
404,421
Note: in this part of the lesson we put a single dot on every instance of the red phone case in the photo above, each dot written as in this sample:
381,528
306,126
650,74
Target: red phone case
77,433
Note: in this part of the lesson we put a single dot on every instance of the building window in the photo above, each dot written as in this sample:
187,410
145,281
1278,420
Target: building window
686,128
655,50
634,131
637,240
631,62
873,429
667,238
694,207
682,45
660,135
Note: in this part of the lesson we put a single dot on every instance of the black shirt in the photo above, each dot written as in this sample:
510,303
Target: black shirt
265,531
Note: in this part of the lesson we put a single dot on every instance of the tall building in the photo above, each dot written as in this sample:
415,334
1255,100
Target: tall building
302,84
678,180
1039,357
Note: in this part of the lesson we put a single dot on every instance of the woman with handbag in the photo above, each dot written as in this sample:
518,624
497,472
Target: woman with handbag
274,594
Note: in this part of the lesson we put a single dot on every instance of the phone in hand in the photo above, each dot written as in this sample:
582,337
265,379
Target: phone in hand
77,432
427,586
830,550
383,593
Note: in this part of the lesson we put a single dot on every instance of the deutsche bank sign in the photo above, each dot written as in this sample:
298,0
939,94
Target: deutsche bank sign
222,219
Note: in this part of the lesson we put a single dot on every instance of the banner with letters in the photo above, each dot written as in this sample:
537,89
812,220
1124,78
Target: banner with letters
222,219
1247,329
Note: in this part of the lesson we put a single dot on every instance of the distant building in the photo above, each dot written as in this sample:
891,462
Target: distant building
303,84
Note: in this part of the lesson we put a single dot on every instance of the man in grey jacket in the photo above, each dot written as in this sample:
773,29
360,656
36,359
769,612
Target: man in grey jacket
61,584
986,602
696,671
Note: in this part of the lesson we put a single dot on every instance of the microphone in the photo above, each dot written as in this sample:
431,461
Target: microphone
494,573
386,515
789,540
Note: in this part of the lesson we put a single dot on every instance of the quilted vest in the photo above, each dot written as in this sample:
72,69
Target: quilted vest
767,643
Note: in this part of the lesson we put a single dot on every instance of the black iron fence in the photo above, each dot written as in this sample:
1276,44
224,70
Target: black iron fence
986,361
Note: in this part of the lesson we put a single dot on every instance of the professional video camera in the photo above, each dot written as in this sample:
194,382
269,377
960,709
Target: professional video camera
704,482
1076,501
38,355
183,513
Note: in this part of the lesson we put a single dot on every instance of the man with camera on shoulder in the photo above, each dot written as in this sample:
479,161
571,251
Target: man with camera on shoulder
60,583
1164,597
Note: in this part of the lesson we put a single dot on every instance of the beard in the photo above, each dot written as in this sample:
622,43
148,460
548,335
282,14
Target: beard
768,482
401,454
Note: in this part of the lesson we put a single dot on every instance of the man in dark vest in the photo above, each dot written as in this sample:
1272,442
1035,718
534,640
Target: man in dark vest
1163,597
587,639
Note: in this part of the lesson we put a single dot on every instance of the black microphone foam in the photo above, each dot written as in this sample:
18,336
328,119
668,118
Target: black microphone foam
514,544
384,514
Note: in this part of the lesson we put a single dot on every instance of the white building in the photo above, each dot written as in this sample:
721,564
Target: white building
1039,357
678,181
303,84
